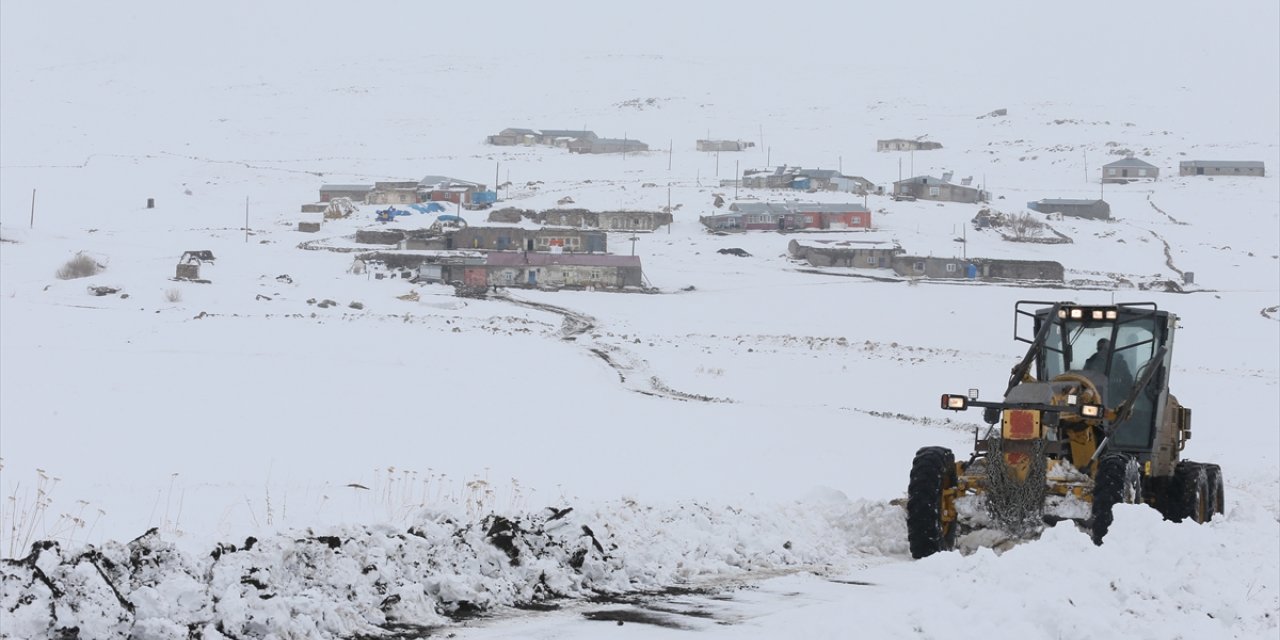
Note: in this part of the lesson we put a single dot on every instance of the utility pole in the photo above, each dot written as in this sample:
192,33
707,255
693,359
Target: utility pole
671,147
669,211
1086,166
899,168
33,209
768,157
840,166
761,136
717,163
737,177
246,219
496,167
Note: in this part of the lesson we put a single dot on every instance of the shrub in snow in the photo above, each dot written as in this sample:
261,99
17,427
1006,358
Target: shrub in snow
80,266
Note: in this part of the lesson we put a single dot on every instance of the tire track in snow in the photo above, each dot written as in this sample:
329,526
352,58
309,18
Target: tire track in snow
1163,212
632,370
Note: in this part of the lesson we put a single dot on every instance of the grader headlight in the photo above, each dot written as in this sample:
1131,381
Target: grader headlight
954,402
1020,424
1091,410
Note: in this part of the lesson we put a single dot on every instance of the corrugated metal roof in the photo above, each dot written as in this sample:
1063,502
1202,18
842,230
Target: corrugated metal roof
779,208
932,180
616,141
827,207
521,259
819,173
1223,164
444,181
567,133
1131,162
346,187
1068,201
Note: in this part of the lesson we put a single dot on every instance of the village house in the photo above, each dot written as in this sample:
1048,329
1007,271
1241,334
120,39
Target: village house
394,193
631,220
446,189
775,178
940,189
1221,168
606,145
424,266
520,269
1094,209
977,268
801,179
869,254
789,216
724,145
562,137
902,144
514,136
1129,170
356,192
512,239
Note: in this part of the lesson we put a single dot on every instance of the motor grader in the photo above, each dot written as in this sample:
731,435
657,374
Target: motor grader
1086,422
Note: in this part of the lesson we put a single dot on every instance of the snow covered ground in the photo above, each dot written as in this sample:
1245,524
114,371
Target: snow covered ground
729,446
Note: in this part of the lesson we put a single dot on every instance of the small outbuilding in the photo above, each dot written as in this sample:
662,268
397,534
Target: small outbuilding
1094,209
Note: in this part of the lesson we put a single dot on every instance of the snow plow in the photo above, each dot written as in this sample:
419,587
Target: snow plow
1086,422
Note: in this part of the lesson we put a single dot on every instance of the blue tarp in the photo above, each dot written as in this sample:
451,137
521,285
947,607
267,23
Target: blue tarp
429,207
386,215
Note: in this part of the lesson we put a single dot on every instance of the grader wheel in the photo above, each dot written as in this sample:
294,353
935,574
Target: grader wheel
1216,497
1189,498
933,472
1114,484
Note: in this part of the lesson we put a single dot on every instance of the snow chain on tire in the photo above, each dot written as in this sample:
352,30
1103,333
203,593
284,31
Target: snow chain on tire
1016,507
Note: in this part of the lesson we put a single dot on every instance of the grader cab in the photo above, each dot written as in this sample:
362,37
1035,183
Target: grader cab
1086,422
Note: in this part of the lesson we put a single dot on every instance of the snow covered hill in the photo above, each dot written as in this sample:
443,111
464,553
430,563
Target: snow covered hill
729,447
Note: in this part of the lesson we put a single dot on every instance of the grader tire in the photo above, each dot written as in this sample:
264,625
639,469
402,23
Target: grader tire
1190,494
1108,491
932,471
1216,498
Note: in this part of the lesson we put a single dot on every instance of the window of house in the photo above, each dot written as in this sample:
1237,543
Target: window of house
951,267
933,191
871,260
1142,172
919,266
1111,172
595,274
857,219
808,219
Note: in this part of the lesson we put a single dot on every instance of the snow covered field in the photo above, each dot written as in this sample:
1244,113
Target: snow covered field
728,446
